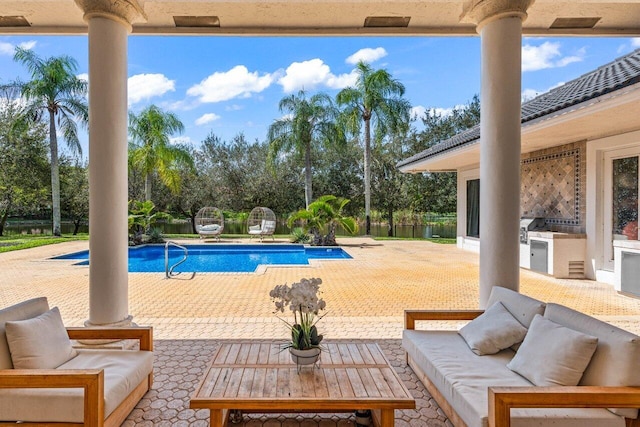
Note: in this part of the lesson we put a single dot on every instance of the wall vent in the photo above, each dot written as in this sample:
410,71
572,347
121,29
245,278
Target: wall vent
14,21
576,269
196,21
387,21
570,23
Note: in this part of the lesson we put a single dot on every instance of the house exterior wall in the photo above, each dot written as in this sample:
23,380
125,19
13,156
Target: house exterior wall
553,184
566,185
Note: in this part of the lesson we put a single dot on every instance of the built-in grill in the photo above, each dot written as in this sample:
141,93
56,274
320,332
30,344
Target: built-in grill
530,224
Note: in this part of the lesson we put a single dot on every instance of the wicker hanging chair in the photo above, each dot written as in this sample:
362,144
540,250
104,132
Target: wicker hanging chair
261,222
209,223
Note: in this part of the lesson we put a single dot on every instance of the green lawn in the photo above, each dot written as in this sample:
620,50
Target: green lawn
26,241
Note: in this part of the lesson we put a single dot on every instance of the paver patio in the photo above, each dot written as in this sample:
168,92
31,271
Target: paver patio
365,298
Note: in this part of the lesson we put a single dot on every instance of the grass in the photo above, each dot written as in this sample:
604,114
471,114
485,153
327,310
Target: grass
440,240
26,241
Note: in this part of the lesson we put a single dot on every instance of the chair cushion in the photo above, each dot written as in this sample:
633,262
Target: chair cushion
522,307
123,371
254,228
553,355
39,343
24,310
492,331
615,362
463,379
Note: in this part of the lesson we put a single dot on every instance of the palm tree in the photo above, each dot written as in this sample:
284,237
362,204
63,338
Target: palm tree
308,121
376,96
54,88
152,152
323,216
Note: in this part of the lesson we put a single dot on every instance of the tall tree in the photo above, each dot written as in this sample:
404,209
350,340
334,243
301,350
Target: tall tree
308,121
151,150
55,89
23,160
376,97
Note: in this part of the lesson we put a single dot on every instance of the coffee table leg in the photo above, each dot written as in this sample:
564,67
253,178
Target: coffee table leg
218,417
387,418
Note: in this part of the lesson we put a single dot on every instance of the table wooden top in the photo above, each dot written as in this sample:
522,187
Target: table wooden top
261,376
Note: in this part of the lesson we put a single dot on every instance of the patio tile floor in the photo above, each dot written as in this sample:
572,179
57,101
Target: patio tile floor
365,298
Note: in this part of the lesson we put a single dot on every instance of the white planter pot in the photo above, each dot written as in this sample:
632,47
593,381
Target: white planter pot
304,357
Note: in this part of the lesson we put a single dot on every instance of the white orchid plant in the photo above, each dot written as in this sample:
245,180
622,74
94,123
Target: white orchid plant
302,299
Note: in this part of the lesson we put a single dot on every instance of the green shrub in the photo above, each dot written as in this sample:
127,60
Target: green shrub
299,235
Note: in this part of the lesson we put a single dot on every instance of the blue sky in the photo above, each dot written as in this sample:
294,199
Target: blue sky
228,85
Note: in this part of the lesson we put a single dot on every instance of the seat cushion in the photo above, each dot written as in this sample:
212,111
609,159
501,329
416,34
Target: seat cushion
463,378
123,371
24,310
552,354
492,331
522,307
615,361
41,342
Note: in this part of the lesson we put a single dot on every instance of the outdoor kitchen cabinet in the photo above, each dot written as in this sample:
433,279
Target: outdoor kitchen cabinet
564,253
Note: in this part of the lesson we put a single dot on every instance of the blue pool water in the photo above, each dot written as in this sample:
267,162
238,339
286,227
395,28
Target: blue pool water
219,258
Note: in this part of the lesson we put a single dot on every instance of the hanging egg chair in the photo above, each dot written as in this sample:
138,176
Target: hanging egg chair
261,222
209,223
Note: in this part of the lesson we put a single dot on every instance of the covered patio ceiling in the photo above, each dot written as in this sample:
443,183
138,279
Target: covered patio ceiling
324,17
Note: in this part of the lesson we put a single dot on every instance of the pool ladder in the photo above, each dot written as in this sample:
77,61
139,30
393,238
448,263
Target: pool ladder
168,271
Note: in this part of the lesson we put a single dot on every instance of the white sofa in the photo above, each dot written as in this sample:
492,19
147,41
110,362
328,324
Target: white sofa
480,391
93,388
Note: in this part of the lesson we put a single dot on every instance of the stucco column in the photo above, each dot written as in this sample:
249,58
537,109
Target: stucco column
499,23
109,26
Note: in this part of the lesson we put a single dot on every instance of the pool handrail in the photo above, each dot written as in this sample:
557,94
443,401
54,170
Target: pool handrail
168,272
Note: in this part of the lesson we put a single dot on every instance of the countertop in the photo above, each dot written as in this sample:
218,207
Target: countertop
555,235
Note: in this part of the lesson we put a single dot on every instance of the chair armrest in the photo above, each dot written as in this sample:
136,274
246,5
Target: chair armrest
503,399
90,380
410,316
143,334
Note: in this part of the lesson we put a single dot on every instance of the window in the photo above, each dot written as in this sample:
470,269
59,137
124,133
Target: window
625,198
473,208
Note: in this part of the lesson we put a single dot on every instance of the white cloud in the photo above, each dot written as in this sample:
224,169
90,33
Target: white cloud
420,112
367,55
7,48
207,118
10,49
635,42
184,140
547,55
417,112
28,45
238,82
234,107
83,76
146,86
311,74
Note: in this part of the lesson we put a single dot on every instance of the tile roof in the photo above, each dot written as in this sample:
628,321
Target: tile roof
620,73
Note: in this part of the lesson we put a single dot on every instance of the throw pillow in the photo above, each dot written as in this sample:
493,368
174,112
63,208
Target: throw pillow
492,331
552,354
39,343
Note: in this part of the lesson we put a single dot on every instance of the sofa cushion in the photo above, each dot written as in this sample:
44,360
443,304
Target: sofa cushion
463,378
123,371
522,307
552,354
615,361
39,343
492,331
24,310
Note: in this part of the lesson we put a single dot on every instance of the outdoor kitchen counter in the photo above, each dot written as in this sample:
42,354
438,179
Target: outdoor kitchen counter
555,235
561,255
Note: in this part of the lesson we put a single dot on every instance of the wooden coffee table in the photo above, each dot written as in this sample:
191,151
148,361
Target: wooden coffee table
259,377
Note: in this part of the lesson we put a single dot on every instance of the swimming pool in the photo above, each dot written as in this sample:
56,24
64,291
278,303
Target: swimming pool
219,258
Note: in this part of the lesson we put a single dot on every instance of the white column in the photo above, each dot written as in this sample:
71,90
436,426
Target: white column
109,26
500,27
